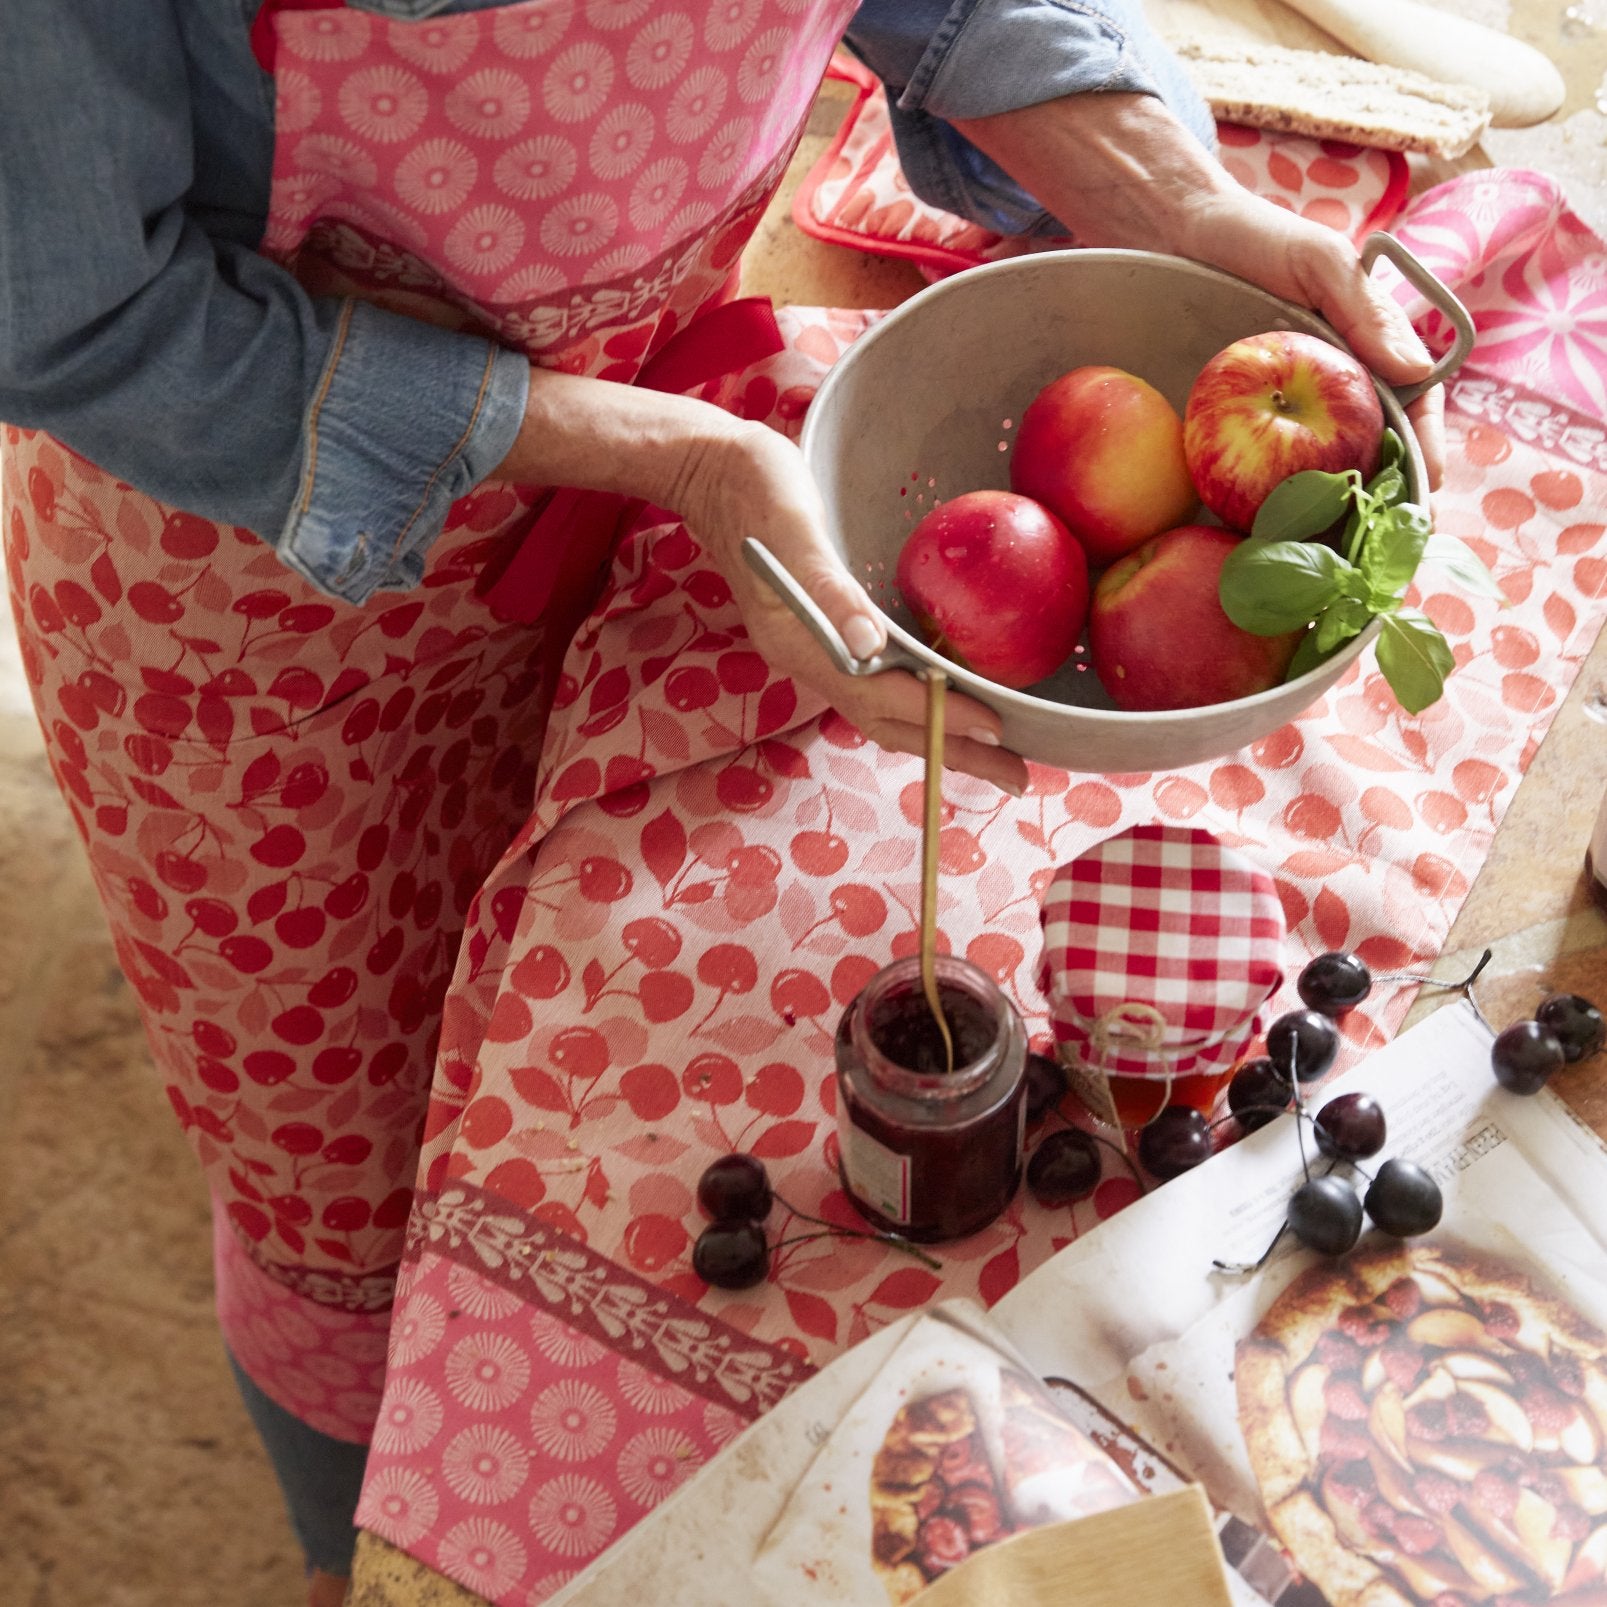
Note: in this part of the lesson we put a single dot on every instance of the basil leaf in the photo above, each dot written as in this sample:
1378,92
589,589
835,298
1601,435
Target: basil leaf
1303,505
1270,587
1307,657
1391,450
1388,486
1415,660
1339,622
1458,559
1391,551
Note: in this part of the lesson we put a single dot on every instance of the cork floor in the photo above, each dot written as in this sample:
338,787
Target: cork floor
129,1475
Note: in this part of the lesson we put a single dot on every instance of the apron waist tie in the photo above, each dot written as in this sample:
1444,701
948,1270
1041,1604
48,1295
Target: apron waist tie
574,533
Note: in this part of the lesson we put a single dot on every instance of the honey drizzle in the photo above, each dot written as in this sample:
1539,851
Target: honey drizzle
936,688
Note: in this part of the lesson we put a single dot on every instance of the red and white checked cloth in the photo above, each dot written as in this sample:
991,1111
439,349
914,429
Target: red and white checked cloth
1160,947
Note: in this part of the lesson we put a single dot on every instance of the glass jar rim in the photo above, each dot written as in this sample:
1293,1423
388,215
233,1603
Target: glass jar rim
931,1086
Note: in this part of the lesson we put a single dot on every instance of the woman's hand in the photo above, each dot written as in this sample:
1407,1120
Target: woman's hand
1121,170
729,480
750,481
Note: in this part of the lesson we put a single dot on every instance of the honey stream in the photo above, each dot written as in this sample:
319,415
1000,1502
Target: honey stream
936,689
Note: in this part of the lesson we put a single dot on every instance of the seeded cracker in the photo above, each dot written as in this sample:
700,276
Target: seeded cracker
1328,96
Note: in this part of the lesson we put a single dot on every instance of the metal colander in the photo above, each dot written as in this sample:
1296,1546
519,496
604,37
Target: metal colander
924,405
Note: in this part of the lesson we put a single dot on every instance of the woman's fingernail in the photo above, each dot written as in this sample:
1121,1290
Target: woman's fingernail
982,734
1013,788
862,638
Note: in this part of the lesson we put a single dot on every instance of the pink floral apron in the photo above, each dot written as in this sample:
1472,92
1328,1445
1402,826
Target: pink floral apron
290,803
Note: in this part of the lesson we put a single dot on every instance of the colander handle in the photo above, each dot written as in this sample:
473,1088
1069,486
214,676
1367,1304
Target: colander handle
1438,297
764,563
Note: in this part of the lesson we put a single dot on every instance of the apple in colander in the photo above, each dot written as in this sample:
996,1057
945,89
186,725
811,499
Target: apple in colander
1273,405
1158,636
1102,449
997,584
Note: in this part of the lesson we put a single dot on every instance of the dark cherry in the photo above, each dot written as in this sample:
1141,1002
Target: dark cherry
1258,1092
1175,1142
1303,1044
1403,1199
1325,1215
1334,983
735,1188
1064,1167
902,1027
731,1255
1046,1085
1350,1128
1525,1055
1577,1023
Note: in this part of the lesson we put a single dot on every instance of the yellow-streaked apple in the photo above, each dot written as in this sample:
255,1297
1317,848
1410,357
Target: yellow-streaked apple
1270,406
1102,450
996,583
1157,633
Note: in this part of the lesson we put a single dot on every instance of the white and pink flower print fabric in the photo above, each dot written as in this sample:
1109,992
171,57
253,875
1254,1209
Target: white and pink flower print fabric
714,868
523,151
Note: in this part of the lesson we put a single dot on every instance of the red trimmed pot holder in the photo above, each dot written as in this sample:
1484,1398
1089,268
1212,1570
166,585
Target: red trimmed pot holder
856,195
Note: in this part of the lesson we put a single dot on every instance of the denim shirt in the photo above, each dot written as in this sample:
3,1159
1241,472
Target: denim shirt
140,325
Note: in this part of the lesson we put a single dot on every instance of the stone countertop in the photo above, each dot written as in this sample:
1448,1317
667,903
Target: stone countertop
1530,903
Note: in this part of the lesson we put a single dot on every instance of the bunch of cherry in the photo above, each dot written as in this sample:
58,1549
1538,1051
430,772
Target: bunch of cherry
734,1192
733,1251
1324,1212
1564,1029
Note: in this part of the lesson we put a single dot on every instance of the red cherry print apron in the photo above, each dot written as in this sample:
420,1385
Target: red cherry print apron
289,803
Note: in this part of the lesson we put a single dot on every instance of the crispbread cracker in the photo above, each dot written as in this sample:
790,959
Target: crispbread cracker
1327,96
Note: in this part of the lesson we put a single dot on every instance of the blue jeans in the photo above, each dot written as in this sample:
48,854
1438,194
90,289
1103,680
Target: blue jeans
320,1477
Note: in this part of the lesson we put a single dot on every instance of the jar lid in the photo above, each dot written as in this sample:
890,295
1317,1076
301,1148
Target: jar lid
1160,944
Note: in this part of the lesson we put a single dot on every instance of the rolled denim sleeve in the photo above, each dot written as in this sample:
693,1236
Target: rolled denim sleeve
139,325
406,418
948,59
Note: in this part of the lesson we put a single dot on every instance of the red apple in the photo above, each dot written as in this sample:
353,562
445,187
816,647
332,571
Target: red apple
1157,633
1103,451
997,584
1269,406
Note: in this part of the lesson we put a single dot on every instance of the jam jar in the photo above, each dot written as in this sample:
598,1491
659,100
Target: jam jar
924,1152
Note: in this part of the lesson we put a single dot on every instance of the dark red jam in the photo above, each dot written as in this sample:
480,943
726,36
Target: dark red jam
924,1152
902,1026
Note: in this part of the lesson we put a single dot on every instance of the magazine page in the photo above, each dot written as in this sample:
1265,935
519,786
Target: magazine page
896,1467
1422,1421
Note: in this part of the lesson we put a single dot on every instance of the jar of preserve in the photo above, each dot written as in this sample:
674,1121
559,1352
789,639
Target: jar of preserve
925,1152
1161,945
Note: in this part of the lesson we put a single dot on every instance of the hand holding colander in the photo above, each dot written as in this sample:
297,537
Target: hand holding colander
920,409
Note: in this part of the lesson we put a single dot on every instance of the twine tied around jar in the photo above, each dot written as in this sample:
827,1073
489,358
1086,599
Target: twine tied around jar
1128,1025
1131,1028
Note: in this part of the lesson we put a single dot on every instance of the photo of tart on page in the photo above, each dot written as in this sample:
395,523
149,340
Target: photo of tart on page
952,1447
1428,1424
1419,1423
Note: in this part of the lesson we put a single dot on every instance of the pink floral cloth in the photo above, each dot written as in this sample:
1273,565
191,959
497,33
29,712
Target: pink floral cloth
289,802
713,869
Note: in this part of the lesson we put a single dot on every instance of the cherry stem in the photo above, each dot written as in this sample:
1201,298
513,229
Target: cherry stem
1300,1134
1117,1150
803,1238
1245,1268
895,1240
1263,1110
1463,986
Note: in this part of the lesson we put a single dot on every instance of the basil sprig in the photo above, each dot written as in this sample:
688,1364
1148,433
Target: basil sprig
1280,579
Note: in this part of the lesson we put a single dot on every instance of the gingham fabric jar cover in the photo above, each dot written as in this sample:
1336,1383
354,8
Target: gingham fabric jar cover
1160,947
